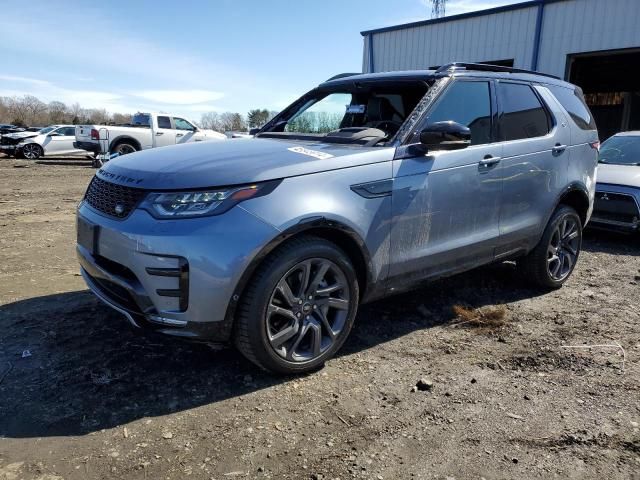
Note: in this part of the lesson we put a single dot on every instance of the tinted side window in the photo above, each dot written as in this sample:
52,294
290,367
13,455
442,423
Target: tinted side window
523,116
468,103
164,122
573,102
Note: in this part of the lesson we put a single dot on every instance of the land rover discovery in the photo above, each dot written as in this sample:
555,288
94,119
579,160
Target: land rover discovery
366,186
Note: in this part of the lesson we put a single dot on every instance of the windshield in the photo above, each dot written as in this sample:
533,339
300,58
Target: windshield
46,130
349,108
621,150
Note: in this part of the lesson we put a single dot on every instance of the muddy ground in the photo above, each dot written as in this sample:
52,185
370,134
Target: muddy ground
82,395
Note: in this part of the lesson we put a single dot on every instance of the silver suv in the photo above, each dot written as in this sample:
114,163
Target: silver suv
364,187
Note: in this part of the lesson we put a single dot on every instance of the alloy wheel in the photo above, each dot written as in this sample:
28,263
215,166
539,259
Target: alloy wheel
308,310
563,249
125,149
31,151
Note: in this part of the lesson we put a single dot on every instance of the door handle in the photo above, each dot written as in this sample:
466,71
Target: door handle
489,161
558,148
159,133
179,134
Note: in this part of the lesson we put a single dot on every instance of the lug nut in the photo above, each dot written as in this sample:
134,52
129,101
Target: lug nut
299,302
298,314
310,297
315,306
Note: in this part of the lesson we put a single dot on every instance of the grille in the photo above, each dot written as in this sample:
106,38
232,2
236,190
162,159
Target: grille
617,207
105,196
9,141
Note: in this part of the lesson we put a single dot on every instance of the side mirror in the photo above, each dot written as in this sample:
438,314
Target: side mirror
445,136
253,131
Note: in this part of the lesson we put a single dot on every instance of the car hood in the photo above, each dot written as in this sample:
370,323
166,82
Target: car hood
628,175
234,162
17,135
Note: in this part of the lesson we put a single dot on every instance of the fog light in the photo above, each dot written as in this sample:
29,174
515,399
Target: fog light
166,321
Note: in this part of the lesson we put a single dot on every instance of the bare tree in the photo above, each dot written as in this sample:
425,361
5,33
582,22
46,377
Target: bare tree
35,109
212,121
98,115
121,118
58,112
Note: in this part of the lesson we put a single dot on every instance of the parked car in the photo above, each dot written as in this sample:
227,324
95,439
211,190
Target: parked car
364,187
168,130
52,140
6,128
617,203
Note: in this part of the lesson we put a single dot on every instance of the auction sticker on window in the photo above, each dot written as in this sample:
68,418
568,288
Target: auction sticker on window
310,153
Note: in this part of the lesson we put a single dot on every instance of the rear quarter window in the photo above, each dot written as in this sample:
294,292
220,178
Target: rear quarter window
573,102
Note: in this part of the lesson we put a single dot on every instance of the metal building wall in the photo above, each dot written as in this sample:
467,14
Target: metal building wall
493,37
568,27
579,26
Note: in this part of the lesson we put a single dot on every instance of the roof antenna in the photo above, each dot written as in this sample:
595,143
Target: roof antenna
438,8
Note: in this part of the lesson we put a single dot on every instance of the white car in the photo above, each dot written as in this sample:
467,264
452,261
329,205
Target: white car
146,130
52,140
617,203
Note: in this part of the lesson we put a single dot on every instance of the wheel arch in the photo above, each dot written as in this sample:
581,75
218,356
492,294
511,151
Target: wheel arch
338,233
124,139
575,196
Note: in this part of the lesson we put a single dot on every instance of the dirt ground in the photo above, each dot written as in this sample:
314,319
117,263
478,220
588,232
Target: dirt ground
82,395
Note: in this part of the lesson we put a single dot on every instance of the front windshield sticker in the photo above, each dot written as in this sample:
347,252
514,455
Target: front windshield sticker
310,153
356,108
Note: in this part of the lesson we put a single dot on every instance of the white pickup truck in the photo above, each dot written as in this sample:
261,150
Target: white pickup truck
146,130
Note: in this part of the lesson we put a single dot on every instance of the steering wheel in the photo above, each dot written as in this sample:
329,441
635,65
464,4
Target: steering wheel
389,126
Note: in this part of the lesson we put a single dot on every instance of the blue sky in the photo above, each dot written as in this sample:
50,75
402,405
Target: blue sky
190,57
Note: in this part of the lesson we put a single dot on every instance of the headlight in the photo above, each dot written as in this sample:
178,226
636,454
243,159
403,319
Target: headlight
201,203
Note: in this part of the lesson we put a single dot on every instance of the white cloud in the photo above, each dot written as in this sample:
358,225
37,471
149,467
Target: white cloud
179,97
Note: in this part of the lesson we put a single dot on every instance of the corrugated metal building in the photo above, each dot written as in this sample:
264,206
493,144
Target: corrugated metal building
592,43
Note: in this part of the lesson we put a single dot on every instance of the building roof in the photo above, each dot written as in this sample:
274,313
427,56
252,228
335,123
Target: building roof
462,16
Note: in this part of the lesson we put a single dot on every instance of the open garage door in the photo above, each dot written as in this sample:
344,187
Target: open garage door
611,83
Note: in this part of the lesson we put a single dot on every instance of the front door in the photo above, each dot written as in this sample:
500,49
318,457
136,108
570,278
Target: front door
446,205
184,130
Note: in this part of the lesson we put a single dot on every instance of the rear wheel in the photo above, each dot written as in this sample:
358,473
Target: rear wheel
299,308
124,148
550,264
32,151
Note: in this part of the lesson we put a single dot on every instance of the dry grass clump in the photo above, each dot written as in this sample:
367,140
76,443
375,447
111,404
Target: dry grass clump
488,318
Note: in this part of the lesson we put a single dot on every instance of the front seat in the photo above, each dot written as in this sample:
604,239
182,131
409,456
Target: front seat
380,114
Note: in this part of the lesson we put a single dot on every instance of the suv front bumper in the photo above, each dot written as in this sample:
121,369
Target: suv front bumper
176,277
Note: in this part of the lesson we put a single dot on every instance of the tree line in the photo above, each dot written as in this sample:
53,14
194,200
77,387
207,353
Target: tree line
29,111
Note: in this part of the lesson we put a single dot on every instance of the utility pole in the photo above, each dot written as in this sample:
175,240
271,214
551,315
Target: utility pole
438,8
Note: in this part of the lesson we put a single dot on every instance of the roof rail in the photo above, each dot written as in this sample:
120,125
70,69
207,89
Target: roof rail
485,67
342,75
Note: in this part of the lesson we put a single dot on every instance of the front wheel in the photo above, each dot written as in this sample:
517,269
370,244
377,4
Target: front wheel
552,261
32,151
299,307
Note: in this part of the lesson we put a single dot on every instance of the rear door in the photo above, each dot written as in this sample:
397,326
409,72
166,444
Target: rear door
536,137
446,205
65,141
165,134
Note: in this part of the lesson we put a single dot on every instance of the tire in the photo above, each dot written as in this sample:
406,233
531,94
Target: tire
31,151
295,326
552,261
124,148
